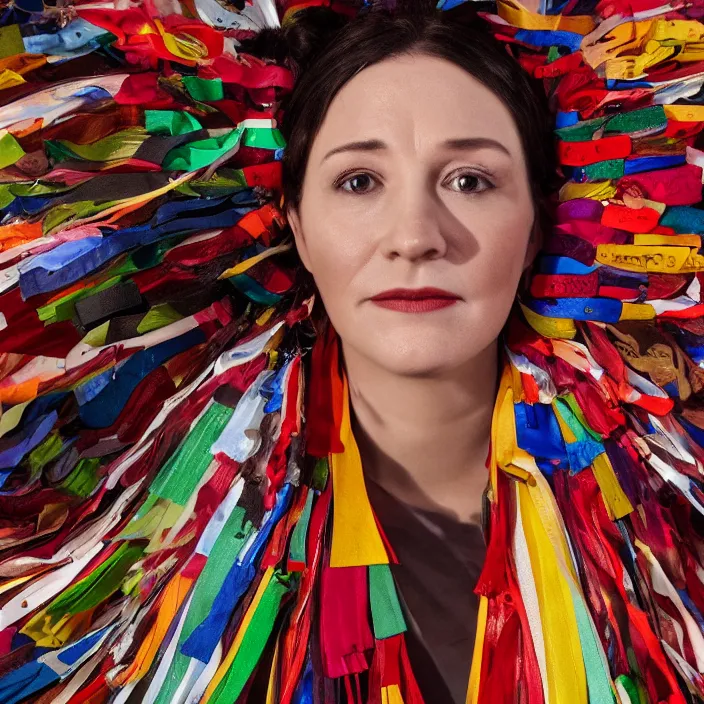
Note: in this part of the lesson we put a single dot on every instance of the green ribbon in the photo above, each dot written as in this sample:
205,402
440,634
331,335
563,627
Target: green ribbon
10,150
11,44
222,183
575,424
170,122
205,89
297,550
253,642
158,317
6,195
387,616
649,119
646,120
49,449
120,145
223,554
604,170
631,690
577,412
103,581
598,676
254,290
37,188
181,474
201,153
83,478
10,191
321,471
582,131
144,526
67,212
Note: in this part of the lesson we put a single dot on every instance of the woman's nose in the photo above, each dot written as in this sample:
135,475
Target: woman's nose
414,231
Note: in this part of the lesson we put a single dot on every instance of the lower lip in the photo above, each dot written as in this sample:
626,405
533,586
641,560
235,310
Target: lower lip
419,305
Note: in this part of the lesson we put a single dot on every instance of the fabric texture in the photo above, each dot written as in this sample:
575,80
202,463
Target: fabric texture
183,513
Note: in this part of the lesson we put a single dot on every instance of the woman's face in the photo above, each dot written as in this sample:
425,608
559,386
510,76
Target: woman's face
416,179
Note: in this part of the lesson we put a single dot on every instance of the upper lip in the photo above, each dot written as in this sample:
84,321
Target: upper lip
414,294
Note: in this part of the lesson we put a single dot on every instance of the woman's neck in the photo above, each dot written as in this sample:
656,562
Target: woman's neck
425,440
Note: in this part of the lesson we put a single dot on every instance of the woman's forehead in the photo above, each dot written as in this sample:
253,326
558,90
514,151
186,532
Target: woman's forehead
418,102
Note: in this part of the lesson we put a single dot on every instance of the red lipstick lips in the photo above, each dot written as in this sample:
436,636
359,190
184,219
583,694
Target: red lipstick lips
415,300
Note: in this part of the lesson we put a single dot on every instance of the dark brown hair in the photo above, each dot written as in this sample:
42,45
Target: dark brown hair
326,50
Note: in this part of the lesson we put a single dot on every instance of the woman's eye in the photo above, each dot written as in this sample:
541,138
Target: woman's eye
361,183
471,183
358,183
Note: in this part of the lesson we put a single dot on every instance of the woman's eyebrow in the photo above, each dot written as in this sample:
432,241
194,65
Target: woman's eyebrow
475,143
458,143
368,145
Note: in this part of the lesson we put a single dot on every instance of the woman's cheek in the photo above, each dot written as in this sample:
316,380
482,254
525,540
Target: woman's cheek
332,271
503,238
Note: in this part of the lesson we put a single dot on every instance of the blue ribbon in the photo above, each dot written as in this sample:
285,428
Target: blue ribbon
76,35
543,37
304,689
605,310
42,405
582,453
538,433
684,220
566,119
72,261
89,389
103,409
652,163
563,265
28,438
615,84
205,637
273,390
33,676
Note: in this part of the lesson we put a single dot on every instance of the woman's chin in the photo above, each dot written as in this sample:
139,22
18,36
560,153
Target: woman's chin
420,347
423,358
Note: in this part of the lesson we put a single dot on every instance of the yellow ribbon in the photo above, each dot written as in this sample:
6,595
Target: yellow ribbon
249,263
475,671
629,68
685,113
615,499
567,683
10,79
659,260
271,691
637,311
391,695
608,42
676,31
668,240
550,561
596,190
550,327
355,536
185,46
518,15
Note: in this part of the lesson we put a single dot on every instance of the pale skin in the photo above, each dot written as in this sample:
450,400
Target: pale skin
410,210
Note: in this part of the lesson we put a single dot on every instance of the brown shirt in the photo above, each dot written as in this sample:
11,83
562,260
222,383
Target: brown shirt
440,562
